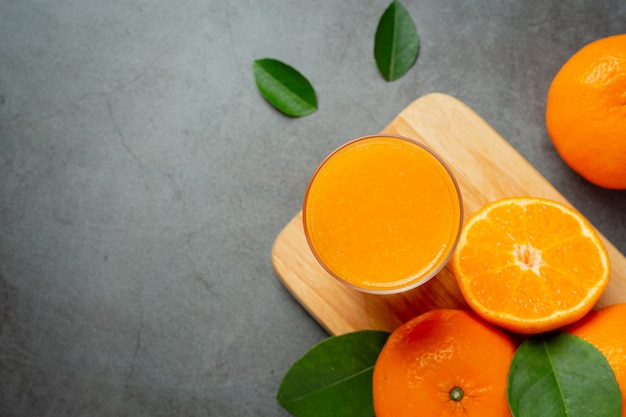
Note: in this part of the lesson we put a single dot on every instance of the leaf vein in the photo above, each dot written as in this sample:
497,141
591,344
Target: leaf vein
329,386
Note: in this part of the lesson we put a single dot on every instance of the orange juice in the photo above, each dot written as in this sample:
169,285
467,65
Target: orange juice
382,213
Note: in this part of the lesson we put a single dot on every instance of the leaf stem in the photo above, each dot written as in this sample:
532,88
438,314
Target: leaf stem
456,394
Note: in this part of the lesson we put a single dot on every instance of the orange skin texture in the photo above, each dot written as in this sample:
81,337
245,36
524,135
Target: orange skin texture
586,112
427,357
605,329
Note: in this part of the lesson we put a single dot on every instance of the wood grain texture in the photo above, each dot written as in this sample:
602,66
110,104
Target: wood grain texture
486,167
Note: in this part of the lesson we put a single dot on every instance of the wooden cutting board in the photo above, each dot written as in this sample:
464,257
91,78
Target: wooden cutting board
486,167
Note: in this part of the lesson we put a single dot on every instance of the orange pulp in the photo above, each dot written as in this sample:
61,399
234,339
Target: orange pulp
382,213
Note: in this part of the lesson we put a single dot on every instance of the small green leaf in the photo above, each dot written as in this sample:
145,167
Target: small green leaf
334,378
284,87
396,45
561,375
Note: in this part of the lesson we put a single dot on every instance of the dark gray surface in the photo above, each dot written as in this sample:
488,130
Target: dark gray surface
143,179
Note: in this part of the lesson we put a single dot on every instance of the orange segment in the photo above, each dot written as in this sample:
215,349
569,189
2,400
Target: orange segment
530,265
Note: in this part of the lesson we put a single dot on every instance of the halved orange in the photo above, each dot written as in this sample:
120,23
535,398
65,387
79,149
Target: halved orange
530,265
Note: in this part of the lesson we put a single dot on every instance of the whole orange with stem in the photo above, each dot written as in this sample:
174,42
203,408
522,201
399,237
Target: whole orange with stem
586,112
443,363
530,265
606,330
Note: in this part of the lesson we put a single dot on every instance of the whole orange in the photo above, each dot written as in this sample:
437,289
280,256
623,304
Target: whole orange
606,330
586,112
443,363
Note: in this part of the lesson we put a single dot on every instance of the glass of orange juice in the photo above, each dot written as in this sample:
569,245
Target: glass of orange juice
382,213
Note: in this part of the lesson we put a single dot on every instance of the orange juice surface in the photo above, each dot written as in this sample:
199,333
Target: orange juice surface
382,213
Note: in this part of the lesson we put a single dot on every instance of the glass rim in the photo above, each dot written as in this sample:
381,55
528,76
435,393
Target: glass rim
412,284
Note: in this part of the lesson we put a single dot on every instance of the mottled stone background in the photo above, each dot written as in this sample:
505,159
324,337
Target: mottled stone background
143,179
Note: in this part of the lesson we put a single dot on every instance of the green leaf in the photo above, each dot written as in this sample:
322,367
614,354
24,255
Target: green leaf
396,45
284,87
334,378
561,375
